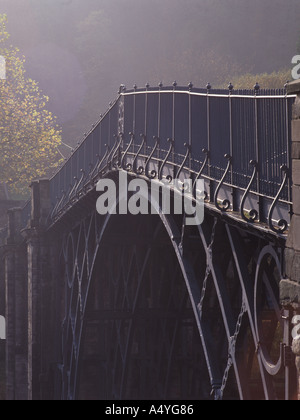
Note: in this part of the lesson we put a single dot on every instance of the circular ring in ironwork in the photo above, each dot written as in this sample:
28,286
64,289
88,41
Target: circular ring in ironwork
266,305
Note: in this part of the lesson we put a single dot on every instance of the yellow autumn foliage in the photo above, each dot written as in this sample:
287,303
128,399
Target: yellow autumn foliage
29,135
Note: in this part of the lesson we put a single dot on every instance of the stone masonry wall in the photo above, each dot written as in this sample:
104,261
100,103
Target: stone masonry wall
290,287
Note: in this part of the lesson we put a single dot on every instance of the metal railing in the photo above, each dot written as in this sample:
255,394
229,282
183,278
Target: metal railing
235,140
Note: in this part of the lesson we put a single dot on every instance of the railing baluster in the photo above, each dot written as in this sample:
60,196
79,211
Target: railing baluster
188,152
153,173
282,224
100,162
253,214
206,152
139,170
129,165
118,152
160,172
225,203
255,105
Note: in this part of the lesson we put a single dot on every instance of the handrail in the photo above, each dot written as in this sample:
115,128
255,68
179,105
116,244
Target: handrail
214,121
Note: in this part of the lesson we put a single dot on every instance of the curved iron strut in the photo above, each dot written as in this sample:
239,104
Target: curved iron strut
74,187
117,151
207,153
282,224
153,173
264,276
111,153
94,168
160,172
225,205
87,181
128,167
105,158
76,191
91,166
139,170
58,203
188,152
253,214
64,199
98,165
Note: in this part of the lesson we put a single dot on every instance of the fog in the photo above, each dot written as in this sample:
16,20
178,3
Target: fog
80,51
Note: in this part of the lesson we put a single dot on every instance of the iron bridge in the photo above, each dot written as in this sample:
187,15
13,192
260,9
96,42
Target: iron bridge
146,307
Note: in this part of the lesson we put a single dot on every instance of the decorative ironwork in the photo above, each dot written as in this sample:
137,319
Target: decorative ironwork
282,224
153,173
99,163
225,307
161,169
267,158
268,261
225,205
118,151
148,307
187,155
125,300
59,202
109,159
128,167
206,152
252,214
115,152
71,194
140,169
230,88
126,326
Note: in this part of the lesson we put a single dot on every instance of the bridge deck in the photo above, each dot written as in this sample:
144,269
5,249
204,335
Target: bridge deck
133,307
238,141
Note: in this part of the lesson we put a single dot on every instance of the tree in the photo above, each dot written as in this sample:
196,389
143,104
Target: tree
29,136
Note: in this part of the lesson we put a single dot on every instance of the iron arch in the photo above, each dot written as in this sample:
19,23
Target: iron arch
215,299
148,301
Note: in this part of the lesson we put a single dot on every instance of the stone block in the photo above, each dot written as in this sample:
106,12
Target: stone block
296,108
296,199
292,265
296,347
289,292
296,131
296,172
293,87
296,149
293,240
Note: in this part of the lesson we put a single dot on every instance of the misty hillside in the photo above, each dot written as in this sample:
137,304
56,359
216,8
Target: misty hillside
80,51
